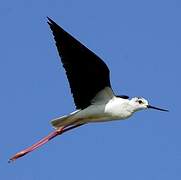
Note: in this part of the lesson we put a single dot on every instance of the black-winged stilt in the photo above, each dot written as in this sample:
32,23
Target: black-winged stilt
90,86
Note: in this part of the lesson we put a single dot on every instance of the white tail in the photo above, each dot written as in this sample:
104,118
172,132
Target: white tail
63,120
58,122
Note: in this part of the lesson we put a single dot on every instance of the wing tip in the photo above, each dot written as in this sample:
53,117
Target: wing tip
50,21
54,26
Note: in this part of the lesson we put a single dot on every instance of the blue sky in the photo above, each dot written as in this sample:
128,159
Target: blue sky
141,43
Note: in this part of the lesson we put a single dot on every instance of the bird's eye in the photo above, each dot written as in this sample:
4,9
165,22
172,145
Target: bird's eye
140,101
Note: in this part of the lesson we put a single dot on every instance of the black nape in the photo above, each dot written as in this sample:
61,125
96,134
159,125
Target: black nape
123,96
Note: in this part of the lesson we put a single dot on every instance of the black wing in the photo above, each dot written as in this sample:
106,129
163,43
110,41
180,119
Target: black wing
86,72
123,96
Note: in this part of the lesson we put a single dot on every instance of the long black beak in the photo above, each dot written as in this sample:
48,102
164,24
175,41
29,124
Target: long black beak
152,107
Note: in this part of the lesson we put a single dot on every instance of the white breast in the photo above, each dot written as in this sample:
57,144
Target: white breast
118,108
114,109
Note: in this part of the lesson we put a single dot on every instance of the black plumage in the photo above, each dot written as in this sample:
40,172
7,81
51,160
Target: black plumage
123,96
86,72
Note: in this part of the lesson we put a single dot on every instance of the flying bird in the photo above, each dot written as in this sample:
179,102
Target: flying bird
89,80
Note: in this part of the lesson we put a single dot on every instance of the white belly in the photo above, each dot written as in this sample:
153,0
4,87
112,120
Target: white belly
101,113
115,109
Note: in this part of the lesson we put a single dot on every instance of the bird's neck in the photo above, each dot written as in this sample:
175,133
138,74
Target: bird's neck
131,108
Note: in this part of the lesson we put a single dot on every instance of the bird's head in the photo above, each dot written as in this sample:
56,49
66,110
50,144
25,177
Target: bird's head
139,103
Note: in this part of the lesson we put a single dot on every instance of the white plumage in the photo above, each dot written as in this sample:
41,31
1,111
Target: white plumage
90,86
105,107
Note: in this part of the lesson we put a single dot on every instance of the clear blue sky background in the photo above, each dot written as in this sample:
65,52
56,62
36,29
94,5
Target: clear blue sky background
141,43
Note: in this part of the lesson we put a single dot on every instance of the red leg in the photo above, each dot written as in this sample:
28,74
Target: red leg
36,145
42,141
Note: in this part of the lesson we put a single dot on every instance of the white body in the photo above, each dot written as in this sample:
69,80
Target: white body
92,74
115,109
105,107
